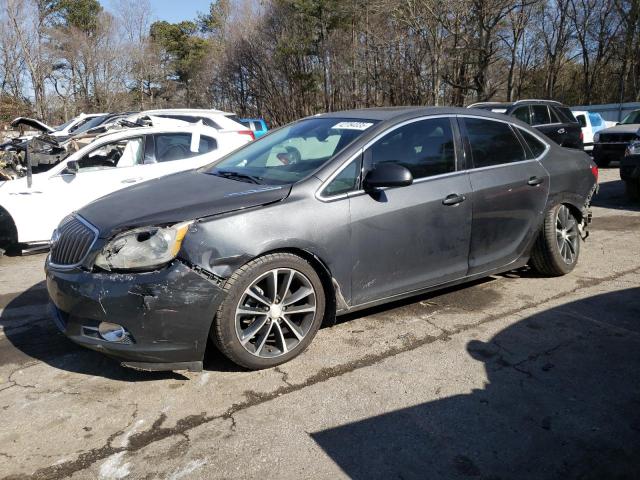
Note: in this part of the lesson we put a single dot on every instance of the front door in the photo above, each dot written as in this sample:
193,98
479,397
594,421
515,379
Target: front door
510,192
411,237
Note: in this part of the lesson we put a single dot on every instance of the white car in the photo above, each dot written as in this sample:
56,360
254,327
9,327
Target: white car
217,119
29,214
591,122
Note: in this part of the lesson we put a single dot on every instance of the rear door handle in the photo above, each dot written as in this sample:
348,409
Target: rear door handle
562,130
131,180
535,181
453,199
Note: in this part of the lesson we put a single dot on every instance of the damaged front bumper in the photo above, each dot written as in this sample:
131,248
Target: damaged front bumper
166,315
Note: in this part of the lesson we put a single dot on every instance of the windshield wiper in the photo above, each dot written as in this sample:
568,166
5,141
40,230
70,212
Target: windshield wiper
242,177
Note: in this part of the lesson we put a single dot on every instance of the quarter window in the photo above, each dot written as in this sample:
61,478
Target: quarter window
345,181
540,114
536,146
492,142
425,147
177,146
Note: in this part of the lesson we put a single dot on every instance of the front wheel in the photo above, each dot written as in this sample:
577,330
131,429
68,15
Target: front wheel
273,309
557,248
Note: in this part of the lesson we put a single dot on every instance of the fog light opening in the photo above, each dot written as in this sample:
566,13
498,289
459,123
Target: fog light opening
112,332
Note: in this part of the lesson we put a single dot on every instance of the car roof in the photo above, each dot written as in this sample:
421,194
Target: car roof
384,114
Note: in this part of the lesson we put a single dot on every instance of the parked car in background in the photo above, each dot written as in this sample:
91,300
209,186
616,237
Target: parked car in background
630,170
221,121
611,143
28,215
330,214
60,132
257,125
552,118
591,123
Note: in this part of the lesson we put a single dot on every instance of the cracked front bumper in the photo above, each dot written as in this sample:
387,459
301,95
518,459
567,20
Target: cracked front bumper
167,313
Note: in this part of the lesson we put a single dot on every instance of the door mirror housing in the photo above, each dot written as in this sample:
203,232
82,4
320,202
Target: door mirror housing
388,175
71,168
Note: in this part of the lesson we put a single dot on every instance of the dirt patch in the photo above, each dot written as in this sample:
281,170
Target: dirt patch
616,223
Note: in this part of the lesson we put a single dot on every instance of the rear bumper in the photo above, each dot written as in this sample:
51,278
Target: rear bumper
167,314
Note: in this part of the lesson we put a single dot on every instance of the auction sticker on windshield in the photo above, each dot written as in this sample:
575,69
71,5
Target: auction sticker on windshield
353,125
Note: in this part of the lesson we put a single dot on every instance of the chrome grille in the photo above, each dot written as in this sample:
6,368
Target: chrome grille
74,239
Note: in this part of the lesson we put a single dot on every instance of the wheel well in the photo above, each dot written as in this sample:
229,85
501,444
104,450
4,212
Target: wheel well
574,210
325,277
8,230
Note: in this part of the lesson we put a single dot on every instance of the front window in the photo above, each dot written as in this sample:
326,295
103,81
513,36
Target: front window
123,153
290,153
632,118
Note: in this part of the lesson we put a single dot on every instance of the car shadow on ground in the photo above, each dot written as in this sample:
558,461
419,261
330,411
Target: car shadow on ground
31,334
562,400
612,195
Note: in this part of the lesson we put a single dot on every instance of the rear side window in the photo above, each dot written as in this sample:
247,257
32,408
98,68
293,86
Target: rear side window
536,146
581,120
567,114
492,143
425,147
522,113
540,115
177,146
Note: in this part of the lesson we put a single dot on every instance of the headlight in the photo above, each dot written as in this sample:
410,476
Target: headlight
596,138
143,248
633,148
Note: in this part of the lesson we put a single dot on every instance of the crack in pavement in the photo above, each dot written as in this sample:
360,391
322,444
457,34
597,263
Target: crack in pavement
157,432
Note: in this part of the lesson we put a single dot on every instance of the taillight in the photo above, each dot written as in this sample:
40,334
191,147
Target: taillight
594,172
581,135
247,132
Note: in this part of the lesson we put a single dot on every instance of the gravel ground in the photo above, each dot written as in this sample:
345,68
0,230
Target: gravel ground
514,376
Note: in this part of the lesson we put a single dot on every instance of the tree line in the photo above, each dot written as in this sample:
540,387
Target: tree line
284,59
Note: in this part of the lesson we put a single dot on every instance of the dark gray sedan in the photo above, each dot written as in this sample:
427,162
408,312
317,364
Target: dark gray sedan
327,215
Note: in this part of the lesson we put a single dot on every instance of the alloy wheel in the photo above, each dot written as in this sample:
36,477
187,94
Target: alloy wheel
567,235
275,312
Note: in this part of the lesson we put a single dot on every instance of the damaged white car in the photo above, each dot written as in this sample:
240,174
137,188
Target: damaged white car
30,212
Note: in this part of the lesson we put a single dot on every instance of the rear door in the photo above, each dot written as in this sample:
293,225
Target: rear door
415,236
510,189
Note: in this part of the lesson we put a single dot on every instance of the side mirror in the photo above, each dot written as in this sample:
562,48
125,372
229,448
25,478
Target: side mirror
388,175
71,168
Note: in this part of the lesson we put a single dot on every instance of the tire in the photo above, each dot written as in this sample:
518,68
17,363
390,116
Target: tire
632,189
549,256
271,336
601,162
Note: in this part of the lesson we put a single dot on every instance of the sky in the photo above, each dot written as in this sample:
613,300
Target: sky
173,10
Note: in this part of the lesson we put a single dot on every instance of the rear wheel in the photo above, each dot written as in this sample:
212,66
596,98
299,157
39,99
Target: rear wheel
273,309
557,248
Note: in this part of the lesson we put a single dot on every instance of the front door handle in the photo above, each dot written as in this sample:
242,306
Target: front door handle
561,131
453,199
535,181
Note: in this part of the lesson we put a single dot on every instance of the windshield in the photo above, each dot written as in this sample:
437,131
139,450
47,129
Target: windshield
290,153
633,117
94,122
64,125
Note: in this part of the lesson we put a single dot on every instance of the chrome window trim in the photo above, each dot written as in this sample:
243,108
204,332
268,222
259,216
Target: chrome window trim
360,152
95,239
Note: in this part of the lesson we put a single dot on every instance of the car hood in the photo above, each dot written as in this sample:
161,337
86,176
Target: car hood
631,128
175,198
32,123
